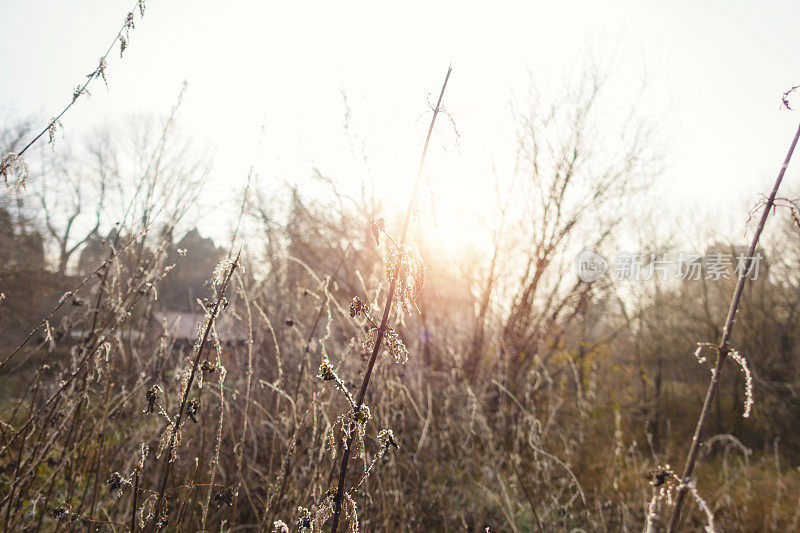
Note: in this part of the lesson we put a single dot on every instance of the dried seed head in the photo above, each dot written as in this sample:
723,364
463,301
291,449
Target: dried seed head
13,165
326,371
224,497
221,271
115,482
357,307
164,520
392,344
664,479
378,225
304,522
53,128
324,510
59,512
350,513
406,270
395,346
386,438
151,396
191,410
78,91
279,526
100,70
369,339
363,415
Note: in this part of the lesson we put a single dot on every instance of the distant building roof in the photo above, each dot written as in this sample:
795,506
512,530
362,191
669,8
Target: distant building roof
187,326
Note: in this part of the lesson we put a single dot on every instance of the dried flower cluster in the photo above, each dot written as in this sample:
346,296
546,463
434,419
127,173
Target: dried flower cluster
115,482
386,438
99,71
378,226
405,268
12,165
305,523
666,484
664,480
393,346
326,371
357,307
350,513
221,271
363,415
53,128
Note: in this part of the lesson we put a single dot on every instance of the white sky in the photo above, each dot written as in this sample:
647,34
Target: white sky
273,73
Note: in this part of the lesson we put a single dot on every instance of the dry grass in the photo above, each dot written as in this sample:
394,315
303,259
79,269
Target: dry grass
553,413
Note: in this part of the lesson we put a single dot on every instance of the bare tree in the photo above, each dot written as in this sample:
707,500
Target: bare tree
66,190
573,182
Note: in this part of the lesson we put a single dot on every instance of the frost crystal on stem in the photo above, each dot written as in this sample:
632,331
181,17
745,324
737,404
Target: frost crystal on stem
748,381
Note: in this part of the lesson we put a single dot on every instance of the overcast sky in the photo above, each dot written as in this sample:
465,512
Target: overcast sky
266,82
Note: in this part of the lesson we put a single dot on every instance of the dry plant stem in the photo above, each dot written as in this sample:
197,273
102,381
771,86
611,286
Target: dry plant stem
170,446
274,505
723,348
311,333
249,341
82,89
525,491
382,329
133,500
249,374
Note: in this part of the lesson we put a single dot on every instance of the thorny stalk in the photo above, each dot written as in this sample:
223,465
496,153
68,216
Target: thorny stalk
178,419
340,491
723,348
